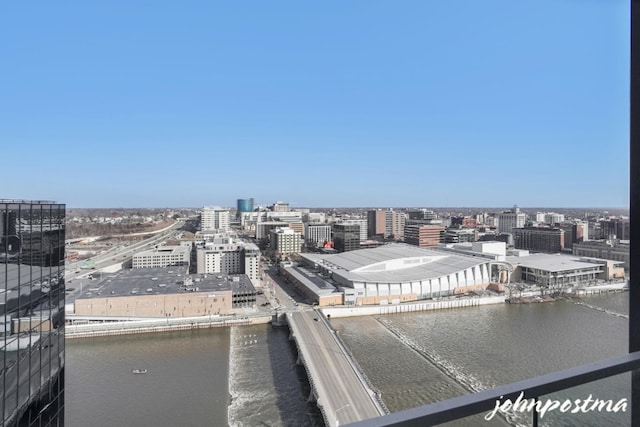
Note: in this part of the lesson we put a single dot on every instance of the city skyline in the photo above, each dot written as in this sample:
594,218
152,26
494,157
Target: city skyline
360,105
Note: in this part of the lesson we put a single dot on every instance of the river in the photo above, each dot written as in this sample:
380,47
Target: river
247,376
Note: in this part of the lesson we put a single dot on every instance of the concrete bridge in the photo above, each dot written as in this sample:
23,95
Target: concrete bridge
339,388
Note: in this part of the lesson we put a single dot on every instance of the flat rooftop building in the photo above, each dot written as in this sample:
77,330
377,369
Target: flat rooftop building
164,292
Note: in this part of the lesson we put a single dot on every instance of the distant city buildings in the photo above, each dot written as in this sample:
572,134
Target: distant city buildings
549,218
314,218
574,233
615,228
464,221
280,207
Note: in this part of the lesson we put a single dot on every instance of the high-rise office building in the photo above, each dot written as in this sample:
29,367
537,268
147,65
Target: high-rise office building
509,220
215,218
32,235
539,239
423,235
376,223
346,237
386,223
615,228
362,223
244,205
285,241
316,235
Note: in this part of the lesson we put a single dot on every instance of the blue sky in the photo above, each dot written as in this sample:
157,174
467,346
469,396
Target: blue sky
358,103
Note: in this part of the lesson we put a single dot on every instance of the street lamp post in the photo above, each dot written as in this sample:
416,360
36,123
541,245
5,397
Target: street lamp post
339,409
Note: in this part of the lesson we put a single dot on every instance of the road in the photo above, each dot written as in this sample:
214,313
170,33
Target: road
118,254
341,393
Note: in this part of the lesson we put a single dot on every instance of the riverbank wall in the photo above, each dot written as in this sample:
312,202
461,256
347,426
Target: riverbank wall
411,307
160,325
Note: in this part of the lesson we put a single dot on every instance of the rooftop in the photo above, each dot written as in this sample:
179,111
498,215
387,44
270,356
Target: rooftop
174,250
311,280
156,281
394,263
554,262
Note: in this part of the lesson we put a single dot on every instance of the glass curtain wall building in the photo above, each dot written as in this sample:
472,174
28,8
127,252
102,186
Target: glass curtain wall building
32,239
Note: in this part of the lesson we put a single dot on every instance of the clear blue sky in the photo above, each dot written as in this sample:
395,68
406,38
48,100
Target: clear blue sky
335,103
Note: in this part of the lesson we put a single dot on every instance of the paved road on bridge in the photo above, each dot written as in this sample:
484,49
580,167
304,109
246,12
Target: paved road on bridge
341,393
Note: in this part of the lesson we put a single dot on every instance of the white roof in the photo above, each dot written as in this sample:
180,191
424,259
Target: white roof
394,263
554,262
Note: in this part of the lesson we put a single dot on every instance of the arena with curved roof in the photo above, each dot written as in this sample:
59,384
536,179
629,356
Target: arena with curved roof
399,272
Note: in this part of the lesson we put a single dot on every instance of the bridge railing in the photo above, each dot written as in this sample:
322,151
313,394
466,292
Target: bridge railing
354,364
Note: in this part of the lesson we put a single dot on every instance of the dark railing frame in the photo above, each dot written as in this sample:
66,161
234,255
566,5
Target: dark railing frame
634,205
485,401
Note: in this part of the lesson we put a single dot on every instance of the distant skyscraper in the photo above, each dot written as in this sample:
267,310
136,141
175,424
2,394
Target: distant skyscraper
244,205
32,237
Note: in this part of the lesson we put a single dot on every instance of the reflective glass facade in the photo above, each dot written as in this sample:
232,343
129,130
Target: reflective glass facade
32,302
245,205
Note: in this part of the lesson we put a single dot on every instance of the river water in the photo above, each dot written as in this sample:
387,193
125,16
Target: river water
247,376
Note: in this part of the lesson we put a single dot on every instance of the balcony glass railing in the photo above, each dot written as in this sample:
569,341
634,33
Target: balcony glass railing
540,392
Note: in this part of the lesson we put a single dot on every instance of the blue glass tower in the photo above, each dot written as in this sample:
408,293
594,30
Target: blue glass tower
245,205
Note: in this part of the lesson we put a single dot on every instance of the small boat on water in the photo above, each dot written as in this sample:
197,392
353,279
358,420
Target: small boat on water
138,371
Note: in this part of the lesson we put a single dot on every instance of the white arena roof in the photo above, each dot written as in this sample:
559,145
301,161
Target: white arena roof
394,263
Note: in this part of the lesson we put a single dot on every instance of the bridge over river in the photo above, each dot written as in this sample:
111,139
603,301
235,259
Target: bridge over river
340,389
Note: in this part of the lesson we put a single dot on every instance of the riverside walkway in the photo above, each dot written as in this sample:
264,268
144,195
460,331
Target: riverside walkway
339,388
